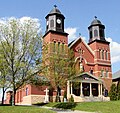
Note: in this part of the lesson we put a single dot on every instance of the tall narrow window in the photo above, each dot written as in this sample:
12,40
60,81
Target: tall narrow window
54,46
106,55
26,91
99,54
91,72
102,54
58,46
107,73
63,47
102,73
51,23
95,33
102,33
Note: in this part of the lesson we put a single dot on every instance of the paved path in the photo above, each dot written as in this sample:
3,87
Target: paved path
67,111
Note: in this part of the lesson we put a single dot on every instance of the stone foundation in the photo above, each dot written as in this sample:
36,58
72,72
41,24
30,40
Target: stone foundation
32,99
90,99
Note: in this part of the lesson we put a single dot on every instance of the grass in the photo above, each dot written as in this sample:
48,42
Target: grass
23,109
100,107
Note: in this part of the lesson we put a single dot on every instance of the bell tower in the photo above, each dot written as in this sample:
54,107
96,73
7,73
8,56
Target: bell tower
55,37
101,48
96,30
55,20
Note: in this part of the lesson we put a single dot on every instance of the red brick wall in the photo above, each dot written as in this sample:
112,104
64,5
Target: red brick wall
102,64
51,37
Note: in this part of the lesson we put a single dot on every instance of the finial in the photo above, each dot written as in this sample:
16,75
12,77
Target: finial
79,34
95,17
55,6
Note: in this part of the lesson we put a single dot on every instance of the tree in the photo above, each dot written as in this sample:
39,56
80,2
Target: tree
118,90
113,92
60,67
20,40
4,82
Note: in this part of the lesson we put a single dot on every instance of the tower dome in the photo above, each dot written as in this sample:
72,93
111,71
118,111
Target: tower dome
55,20
55,10
96,31
96,21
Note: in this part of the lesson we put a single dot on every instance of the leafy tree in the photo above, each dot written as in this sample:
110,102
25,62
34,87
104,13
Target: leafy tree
59,67
4,82
118,90
113,92
20,40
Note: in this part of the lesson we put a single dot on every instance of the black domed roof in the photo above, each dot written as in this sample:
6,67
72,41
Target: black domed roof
55,10
96,21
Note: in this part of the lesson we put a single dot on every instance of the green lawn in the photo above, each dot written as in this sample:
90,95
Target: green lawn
22,109
100,107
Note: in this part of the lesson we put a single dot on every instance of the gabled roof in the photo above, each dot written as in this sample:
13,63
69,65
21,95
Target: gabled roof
75,41
116,75
86,77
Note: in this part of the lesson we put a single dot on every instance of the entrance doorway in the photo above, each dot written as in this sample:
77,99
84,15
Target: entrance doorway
86,89
95,89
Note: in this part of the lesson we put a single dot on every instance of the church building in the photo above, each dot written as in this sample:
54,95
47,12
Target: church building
92,59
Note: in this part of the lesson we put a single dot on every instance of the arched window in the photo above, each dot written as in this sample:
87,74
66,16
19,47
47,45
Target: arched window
106,73
52,23
54,46
95,33
102,54
106,55
101,33
99,53
58,46
26,90
91,72
62,47
102,73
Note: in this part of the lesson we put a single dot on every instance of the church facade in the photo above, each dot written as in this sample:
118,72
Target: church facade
92,62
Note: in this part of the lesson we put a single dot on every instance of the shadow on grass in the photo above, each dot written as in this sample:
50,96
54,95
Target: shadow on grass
5,104
40,104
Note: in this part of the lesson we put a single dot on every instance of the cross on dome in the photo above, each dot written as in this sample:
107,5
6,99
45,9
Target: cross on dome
55,6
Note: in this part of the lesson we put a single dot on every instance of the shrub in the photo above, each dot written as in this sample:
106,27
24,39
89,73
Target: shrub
67,105
113,92
40,104
118,90
57,99
65,96
71,99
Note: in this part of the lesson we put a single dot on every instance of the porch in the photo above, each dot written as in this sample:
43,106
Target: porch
86,87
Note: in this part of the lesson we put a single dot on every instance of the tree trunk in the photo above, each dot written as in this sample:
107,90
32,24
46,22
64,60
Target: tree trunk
3,90
58,94
13,96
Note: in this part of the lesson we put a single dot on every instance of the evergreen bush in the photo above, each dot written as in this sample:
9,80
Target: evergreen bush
113,92
118,90
65,96
71,99
67,105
